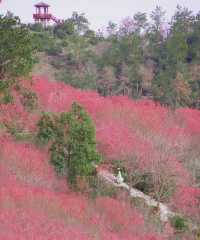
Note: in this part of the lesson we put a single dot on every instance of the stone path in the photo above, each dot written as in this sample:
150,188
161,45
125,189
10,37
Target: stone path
164,211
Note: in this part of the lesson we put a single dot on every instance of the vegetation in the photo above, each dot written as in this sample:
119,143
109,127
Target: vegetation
16,53
73,149
156,148
137,58
156,143
179,223
46,128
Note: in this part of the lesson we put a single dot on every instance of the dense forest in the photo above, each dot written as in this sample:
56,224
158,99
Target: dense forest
137,58
80,108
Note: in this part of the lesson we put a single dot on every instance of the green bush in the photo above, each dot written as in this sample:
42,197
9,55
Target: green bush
16,48
46,128
8,98
179,223
73,142
53,49
86,80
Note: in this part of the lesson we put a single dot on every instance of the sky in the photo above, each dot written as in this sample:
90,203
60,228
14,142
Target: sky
99,12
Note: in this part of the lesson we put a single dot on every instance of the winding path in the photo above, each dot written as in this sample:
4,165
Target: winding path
164,211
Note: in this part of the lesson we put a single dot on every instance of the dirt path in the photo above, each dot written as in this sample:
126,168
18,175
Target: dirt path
164,211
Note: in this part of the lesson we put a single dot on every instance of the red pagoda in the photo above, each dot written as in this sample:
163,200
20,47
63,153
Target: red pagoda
42,14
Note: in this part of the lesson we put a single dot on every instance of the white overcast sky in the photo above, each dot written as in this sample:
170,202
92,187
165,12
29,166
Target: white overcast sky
99,12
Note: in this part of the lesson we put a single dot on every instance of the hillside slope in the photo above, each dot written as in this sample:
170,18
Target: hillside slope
139,136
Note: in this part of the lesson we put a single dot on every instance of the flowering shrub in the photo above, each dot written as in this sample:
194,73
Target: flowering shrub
36,204
141,135
187,199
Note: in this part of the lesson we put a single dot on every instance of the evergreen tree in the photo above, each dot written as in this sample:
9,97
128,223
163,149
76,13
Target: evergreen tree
73,142
16,51
81,143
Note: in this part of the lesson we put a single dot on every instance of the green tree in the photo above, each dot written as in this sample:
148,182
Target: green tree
80,22
73,149
16,50
154,36
81,143
171,82
47,128
79,51
171,87
136,58
140,22
182,20
90,35
65,29
111,29
157,16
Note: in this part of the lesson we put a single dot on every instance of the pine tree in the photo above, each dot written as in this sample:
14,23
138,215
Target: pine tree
81,143
73,142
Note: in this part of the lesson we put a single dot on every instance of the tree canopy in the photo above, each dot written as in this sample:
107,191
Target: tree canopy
73,142
137,57
16,47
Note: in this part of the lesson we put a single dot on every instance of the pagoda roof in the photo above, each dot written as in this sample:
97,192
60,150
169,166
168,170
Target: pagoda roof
42,4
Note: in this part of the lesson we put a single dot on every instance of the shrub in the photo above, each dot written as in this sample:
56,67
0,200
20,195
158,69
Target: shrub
46,128
73,148
179,223
7,98
79,143
16,49
53,48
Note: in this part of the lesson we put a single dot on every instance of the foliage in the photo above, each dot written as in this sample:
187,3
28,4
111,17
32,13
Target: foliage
16,50
85,80
79,51
142,136
65,29
73,149
145,137
7,98
136,58
44,41
53,48
179,223
189,201
26,176
80,22
46,128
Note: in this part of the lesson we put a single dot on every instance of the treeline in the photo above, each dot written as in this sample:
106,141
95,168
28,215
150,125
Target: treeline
139,58
16,55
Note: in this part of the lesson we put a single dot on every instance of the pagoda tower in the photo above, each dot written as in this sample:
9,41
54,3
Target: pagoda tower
42,14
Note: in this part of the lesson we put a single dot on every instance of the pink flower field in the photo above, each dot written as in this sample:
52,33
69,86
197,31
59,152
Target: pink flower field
36,204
